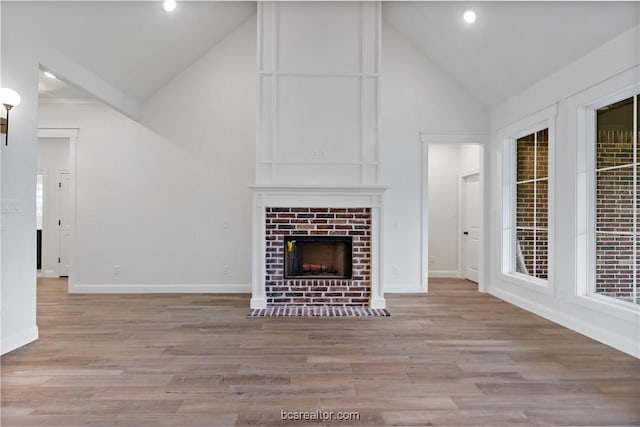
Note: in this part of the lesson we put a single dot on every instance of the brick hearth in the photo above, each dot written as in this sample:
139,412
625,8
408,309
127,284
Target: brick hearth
353,222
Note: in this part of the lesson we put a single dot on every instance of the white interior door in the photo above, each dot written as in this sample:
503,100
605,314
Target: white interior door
64,223
471,227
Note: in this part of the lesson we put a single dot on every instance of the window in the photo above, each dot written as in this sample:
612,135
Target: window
531,244
617,197
527,201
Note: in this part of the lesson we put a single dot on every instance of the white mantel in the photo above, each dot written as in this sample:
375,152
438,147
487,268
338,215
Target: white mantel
321,196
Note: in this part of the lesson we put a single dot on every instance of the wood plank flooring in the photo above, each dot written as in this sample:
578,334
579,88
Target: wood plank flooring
454,357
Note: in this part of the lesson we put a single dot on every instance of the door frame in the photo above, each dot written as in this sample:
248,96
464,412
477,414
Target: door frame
461,212
59,174
72,135
444,137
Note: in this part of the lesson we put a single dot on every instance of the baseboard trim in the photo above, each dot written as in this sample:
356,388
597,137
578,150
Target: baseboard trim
443,274
49,274
160,289
404,288
617,341
18,340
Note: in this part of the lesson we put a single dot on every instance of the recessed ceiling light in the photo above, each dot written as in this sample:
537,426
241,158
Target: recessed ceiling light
169,5
50,75
469,17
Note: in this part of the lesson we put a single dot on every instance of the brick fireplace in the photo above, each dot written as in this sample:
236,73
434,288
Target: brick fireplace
337,246
338,230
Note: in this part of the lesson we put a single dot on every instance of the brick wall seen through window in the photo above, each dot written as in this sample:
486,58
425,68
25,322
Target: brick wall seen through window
532,203
617,186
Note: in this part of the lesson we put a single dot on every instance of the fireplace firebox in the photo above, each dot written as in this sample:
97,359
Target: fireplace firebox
316,257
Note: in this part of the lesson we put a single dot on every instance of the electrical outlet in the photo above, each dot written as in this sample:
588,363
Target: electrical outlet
226,225
226,269
116,269
395,270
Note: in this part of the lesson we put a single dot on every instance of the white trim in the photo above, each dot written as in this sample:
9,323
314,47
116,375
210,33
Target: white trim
528,282
332,196
610,168
405,288
305,189
205,288
259,271
522,227
605,336
257,303
438,274
537,121
609,306
316,162
14,341
443,137
69,101
58,132
529,124
72,134
424,216
48,274
586,205
377,302
438,137
59,173
321,75
527,181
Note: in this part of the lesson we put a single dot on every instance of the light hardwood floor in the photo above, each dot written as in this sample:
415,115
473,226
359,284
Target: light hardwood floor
455,357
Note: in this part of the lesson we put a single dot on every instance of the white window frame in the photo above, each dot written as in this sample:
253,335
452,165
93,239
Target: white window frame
586,209
543,119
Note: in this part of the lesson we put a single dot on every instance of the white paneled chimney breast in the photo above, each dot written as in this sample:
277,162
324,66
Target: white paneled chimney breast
318,148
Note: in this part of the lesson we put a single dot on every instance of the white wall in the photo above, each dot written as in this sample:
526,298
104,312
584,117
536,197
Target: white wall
601,73
469,159
19,72
53,157
416,96
166,200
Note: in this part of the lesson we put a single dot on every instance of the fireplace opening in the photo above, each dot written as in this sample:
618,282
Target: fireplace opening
314,257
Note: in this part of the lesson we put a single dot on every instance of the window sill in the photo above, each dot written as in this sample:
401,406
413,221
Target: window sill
610,306
528,282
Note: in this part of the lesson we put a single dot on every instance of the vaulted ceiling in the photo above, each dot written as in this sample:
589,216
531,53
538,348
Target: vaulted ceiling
512,45
134,45
137,47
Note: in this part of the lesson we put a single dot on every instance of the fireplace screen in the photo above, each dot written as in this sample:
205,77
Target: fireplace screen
311,257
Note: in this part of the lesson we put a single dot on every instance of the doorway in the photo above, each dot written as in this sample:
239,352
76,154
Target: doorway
55,204
453,208
470,214
65,231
